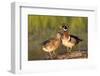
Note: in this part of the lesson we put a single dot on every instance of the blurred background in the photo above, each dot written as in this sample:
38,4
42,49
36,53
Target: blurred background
42,27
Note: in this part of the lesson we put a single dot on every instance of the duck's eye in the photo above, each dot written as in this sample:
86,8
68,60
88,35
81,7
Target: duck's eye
63,26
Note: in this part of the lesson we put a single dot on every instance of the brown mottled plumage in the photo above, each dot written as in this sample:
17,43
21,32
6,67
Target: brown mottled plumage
52,44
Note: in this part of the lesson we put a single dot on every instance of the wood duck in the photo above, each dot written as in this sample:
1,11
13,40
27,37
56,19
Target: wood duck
69,40
52,44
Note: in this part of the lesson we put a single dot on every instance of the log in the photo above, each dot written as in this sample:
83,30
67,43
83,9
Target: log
72,55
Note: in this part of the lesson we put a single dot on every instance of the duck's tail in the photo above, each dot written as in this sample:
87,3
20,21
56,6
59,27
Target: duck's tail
80,39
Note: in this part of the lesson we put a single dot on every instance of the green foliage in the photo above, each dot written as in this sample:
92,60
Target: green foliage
41,28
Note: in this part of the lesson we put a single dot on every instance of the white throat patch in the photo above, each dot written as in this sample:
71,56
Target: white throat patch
65,29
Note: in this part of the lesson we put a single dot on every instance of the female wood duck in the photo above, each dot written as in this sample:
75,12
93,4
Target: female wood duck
52,44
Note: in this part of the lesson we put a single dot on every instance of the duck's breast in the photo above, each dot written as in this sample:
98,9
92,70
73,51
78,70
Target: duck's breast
67,43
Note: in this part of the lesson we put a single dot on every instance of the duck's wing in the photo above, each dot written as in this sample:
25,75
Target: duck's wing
75,37
45,42
48,41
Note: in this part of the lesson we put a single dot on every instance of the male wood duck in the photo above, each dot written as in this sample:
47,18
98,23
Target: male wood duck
69,40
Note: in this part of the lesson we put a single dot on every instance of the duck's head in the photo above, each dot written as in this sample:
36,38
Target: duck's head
64,27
